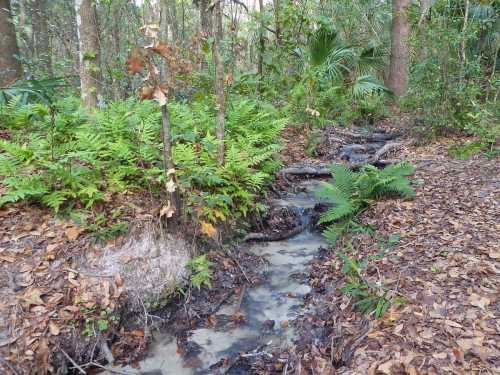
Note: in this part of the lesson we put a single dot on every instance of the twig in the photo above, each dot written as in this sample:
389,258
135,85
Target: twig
106,351
242,294
110,369
241,269
75,365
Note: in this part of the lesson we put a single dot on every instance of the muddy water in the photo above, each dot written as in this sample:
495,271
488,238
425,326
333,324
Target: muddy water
267,307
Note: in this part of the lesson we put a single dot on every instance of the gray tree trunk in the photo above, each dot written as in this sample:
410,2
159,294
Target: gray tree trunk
41,35
89,52
398,69
219,79
10,67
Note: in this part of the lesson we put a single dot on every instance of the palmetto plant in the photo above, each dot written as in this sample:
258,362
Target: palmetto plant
353,68
350,193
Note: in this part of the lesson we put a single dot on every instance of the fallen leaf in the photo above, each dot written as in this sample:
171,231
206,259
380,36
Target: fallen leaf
54,329
72,233
478,301
32,296
494,254
118,280
137,333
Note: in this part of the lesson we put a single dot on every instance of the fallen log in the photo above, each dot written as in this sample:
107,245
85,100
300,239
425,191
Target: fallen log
277,236
324,171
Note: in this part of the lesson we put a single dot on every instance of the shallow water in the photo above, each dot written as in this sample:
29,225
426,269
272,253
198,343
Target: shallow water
267,308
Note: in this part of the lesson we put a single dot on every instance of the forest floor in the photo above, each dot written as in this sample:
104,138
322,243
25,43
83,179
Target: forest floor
445,268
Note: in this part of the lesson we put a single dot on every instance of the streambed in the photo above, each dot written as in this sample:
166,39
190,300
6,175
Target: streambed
258,317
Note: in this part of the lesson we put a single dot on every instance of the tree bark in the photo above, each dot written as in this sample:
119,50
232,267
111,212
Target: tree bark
10,66
219,79
89,52
425,5
277,22
205,17
260,67
398,70
40,27
116,10
463,56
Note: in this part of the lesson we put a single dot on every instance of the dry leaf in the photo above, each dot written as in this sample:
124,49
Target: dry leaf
150,31
72,233
118,280
135,62
171,186
159,96
208,229
54,329
137,333
167,210
478,301
32,296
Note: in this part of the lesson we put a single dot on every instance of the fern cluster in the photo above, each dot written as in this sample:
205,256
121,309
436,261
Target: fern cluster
351,192
61,157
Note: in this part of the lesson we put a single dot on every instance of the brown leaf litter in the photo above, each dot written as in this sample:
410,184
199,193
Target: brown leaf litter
444,270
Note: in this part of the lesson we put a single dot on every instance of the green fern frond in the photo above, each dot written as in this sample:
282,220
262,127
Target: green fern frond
344,178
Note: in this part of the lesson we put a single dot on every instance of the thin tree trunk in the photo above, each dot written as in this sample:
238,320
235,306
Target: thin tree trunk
219,80
164,19
115,42
89,52
425,5
10,66
463,42
260,67
398,70
205,17
174,24
41,35
277,22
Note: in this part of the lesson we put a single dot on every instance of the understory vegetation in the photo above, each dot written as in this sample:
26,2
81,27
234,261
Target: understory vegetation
349,194
70,161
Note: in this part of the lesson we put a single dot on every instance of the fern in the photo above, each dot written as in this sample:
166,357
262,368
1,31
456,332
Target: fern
351,192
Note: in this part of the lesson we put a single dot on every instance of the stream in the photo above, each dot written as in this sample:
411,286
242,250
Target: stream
258,318
266,309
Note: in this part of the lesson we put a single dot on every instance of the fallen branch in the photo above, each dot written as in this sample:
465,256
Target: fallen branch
278,236
385,149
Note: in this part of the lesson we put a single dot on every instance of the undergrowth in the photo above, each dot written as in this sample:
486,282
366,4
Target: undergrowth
70,161
349,194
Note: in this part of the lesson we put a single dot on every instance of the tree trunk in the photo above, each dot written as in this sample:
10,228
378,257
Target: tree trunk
219,80
425,5
89,52
174,24
260,67
205,17
463,56
277,22
398,70
41,36
164,19
115,43
10,67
